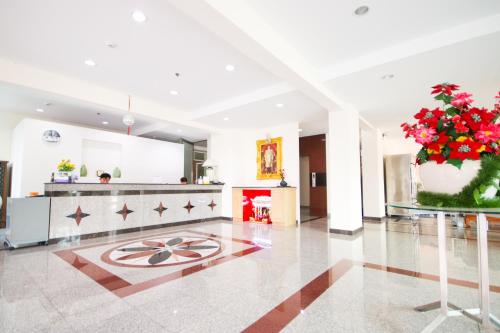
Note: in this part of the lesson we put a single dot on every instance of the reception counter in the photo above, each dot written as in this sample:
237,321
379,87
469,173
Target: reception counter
269,205
98,209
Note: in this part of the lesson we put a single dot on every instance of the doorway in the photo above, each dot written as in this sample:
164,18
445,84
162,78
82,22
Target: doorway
313,177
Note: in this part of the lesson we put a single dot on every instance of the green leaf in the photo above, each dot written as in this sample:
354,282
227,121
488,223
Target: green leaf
447,99
423,155
440,125
453,133
439,97
477,196
452,111
455,162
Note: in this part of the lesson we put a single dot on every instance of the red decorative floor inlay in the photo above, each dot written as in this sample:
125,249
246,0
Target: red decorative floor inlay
164,250
279,317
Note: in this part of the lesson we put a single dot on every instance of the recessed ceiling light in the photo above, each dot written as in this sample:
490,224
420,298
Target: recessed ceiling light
229,68
387,76
226,118
279,105
40,110
139,16
90,62
110,44
362,10
174,92
105,122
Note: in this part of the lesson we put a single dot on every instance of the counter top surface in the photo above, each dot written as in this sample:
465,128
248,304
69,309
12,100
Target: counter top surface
263,187
127,188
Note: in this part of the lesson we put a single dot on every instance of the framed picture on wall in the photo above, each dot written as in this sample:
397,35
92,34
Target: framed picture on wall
269,158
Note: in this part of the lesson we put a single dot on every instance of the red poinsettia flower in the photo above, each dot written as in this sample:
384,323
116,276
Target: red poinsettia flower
440,159
488,133
462,99
440,139
444,88
424,135
475,117
461,128
429,117
465,148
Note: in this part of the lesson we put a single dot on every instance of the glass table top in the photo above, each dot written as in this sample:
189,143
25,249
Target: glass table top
418,207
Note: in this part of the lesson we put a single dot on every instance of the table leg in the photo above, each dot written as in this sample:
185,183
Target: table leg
484,278
443,269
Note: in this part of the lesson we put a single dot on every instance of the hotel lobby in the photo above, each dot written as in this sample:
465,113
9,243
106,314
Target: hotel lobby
249,166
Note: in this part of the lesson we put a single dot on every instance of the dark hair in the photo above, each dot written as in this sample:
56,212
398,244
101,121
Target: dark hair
184,180
105,176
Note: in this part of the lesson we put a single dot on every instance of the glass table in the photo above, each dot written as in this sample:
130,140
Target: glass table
482,314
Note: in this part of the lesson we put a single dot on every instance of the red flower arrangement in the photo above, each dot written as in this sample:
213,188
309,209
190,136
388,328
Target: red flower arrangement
457,131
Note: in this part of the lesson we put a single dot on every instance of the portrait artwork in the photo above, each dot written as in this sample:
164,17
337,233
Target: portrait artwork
269,158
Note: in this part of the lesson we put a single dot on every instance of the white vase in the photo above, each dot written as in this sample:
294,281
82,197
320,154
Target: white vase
446,178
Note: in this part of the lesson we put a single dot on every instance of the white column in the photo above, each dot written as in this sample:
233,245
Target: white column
373,173
343,172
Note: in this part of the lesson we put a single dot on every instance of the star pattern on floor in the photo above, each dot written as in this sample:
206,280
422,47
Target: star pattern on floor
78,216
212,205
124,212
189,206
160,209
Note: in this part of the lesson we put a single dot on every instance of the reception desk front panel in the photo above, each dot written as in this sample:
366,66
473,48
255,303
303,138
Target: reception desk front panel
85,209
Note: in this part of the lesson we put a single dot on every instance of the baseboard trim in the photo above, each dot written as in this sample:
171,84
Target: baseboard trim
346,232
129,230
372,218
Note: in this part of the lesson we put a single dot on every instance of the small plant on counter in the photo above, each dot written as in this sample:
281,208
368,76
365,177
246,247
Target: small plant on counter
65,166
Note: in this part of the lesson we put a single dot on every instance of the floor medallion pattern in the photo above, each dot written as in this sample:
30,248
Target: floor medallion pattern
165,251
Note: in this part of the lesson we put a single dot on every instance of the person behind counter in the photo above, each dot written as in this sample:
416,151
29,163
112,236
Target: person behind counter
184,181
104,178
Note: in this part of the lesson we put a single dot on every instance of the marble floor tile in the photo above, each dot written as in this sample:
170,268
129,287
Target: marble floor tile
41,292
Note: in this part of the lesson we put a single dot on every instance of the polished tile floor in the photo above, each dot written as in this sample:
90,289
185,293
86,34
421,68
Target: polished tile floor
223,277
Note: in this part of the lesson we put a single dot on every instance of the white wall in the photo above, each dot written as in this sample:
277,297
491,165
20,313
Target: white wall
8,121
373,173
142,160
235,155
395,145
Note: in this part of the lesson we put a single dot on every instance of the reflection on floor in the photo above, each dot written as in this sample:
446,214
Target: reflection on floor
223,277
306,216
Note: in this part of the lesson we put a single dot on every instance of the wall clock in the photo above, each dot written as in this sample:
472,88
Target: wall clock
51,136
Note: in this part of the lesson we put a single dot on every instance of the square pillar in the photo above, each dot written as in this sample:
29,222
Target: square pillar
372,160
343,173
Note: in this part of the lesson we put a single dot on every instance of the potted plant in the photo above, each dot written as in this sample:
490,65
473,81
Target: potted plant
64,172
459,162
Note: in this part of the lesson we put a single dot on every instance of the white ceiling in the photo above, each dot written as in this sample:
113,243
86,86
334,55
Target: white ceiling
474,65
58,35
328,32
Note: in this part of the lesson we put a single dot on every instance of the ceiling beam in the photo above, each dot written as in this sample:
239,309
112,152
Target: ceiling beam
430,42
155,127
245,99
112,100
239,25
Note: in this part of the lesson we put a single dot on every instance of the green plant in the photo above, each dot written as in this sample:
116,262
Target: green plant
470,196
